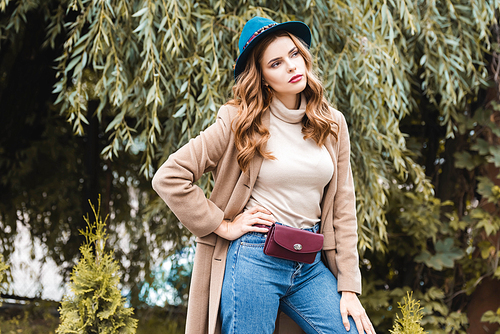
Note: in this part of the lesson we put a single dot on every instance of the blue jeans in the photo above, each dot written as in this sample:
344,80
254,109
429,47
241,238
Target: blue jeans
256,285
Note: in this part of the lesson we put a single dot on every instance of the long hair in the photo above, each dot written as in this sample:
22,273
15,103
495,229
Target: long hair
253,99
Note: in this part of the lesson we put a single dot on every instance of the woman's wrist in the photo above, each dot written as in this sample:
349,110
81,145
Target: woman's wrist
349,294
221,231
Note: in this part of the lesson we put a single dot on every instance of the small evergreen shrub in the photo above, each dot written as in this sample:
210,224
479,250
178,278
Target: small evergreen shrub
412,315
3,267
96,304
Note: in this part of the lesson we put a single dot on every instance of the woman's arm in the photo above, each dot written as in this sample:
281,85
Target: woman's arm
174,180
344,216
345,223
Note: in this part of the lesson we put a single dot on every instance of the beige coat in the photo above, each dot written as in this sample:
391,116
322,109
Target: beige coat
214,151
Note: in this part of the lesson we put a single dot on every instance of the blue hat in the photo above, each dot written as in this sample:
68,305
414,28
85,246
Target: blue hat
258,27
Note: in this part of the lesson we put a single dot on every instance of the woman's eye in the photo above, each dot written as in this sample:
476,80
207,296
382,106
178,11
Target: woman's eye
295,53
276,63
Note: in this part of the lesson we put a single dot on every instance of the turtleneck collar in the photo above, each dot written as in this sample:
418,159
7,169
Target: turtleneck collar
292,116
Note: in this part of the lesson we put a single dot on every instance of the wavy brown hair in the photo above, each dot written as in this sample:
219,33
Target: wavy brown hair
252,100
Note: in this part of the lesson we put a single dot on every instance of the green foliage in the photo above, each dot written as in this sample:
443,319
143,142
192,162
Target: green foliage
492,318
444,248
446,254
483,217
156,320
42,173
28,323
30,316
39,320
96,305
466,160
161,69
410,76
3,268
409,323
437,316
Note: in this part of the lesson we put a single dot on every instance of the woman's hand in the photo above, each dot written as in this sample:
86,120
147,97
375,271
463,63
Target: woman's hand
243,223
350,305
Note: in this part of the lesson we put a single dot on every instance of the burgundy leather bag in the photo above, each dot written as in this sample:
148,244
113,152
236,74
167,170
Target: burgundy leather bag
293,244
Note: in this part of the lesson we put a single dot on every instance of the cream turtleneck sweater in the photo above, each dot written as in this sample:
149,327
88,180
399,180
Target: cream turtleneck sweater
291,187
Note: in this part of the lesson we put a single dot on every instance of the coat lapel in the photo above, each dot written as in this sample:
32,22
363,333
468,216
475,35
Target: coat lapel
219,261
328,197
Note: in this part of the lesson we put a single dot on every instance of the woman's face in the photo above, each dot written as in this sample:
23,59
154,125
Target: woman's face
284,69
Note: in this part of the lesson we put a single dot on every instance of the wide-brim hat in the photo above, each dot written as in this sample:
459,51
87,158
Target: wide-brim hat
259,27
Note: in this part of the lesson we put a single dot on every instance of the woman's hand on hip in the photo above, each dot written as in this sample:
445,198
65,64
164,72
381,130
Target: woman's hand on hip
244,223
351,306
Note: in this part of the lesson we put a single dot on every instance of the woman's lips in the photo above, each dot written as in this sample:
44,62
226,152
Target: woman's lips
296,78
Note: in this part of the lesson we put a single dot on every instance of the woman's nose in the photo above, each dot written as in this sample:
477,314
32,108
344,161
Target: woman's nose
291,66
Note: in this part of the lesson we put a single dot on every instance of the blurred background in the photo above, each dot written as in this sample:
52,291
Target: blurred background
94,96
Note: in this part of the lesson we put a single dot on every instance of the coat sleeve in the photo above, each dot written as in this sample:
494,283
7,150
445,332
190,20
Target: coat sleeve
174,180
344,217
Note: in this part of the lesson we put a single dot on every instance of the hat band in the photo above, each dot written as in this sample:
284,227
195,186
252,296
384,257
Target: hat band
258,32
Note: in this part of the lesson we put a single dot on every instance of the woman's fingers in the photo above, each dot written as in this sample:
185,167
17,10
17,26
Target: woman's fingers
345,319
363,324
262,218
350,306
368,325
268,217
359,324
261,215
260,229
258,208
246,221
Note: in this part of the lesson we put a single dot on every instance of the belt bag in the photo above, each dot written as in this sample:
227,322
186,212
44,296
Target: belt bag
292,243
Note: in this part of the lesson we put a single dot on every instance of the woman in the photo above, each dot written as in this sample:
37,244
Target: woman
278,153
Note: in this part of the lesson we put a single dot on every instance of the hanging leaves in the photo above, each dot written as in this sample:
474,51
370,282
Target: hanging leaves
161,69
